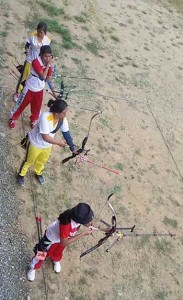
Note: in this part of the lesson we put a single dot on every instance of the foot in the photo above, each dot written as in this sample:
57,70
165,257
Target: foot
40,179
57,266
11,124
15,97
20,180
31,274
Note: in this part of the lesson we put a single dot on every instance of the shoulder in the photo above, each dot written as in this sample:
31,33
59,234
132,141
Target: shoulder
65,230
33,34
46,39
65,125
37,63
48,116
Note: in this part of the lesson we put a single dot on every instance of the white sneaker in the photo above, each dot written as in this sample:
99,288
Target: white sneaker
15,97
57,266
31,274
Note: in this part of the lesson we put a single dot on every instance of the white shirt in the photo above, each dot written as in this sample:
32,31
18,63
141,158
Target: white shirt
45,125
35,46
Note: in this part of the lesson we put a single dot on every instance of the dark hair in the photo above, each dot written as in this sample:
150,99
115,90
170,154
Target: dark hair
42,26
45,49
57,106
65,217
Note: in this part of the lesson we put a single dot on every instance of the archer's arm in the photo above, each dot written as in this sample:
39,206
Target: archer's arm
72,239
66,134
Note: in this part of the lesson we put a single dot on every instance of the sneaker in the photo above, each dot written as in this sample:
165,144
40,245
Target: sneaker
11,124
20,180
57,266
16,97
31,274
40,179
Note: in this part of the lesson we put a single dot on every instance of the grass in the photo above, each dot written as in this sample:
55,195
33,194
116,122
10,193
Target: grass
119,166
91,273
3,33
117,189
172,222
115,38
122,210
51,9
138,152
83,281
76,60
162,295
163,246
104,122
75,296
82,18
142,242
4,5
93,46
176,3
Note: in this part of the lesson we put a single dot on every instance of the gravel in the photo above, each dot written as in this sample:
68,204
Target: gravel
13,250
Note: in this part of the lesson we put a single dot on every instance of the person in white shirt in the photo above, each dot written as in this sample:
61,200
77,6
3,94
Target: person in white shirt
34,42
60,234
41,138
32,93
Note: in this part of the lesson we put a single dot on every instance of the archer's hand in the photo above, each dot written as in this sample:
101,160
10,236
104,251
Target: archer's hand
62,143
75,152
107,229
88,231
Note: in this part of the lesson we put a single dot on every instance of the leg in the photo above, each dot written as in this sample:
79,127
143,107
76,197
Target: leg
36,104
34,265
41,159
55,252
24,100
31,154
24,76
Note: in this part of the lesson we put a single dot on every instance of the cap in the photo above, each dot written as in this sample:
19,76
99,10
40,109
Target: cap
82,213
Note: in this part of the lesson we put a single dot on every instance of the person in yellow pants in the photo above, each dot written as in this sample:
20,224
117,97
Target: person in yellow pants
35,156
41,138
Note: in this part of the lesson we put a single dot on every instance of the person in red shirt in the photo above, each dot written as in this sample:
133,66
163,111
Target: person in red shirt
33,91
60,234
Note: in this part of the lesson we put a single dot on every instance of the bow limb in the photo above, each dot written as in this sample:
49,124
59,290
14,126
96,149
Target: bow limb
87,136
80,150
89,250
100,243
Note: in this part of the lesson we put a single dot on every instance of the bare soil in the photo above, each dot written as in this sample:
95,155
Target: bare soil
133,49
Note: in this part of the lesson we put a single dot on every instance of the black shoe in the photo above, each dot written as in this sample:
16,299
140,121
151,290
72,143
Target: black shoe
40,179
20,180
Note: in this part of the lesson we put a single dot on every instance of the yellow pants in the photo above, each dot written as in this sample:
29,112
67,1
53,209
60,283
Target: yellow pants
34,156
24,76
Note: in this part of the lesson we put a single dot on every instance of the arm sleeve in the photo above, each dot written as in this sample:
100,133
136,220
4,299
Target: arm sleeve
36,66
66,134
49,84
27,45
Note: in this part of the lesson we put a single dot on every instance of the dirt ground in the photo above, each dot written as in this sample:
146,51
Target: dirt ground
133,49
